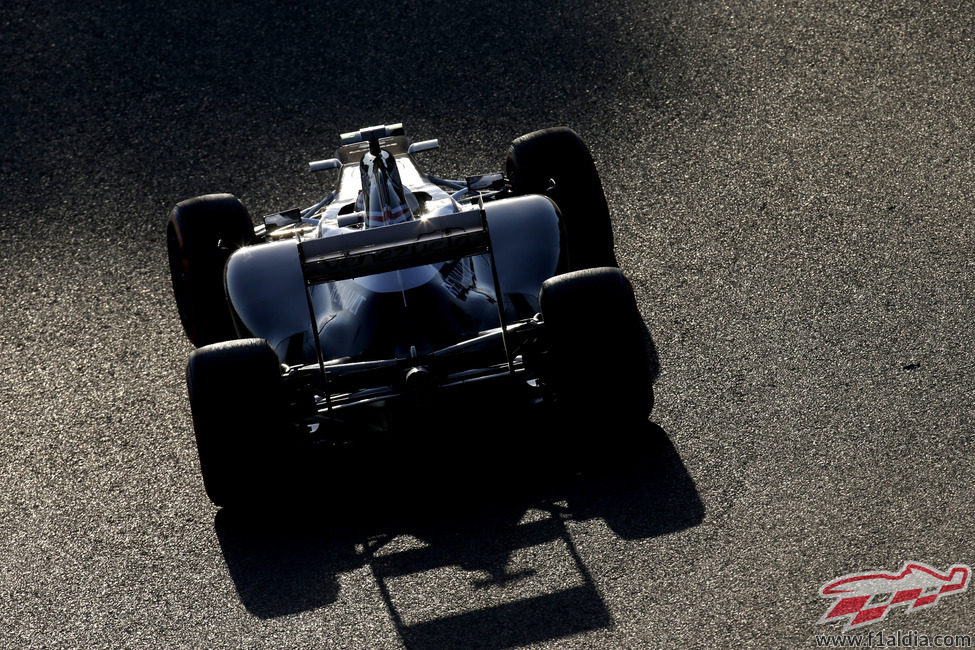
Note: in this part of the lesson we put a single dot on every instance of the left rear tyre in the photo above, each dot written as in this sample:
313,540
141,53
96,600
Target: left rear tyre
238,406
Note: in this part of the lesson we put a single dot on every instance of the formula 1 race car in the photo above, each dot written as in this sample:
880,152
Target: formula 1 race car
400,291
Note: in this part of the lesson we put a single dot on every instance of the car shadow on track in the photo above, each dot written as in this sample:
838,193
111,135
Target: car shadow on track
484,535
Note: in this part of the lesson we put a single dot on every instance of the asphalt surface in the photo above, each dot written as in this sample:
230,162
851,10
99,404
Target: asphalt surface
792,184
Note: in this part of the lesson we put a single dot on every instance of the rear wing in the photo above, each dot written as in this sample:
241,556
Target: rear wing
390,248
394,247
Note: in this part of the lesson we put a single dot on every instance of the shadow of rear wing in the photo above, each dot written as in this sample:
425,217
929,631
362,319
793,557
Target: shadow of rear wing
394,247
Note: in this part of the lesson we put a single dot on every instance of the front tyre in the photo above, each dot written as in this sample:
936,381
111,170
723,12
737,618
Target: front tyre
200,237
598,364
238,406
556,163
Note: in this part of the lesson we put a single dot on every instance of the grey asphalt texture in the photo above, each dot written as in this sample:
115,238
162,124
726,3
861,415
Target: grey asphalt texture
792,188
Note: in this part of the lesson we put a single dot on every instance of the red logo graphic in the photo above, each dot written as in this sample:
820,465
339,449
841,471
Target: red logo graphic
865,598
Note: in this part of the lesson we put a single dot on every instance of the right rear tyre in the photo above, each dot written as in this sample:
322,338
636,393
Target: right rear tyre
598,364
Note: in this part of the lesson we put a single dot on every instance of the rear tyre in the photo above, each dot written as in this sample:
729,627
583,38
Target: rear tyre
555,162
238,407
200,236
598,366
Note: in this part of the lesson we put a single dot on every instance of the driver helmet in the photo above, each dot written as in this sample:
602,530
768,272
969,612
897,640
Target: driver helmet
384,199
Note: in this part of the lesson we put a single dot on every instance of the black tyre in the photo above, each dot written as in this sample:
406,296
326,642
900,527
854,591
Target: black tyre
556,162
598,363
238,407
200,236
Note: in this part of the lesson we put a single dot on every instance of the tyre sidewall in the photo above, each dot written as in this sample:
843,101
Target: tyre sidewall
237,402
202,233
597,361
558,155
